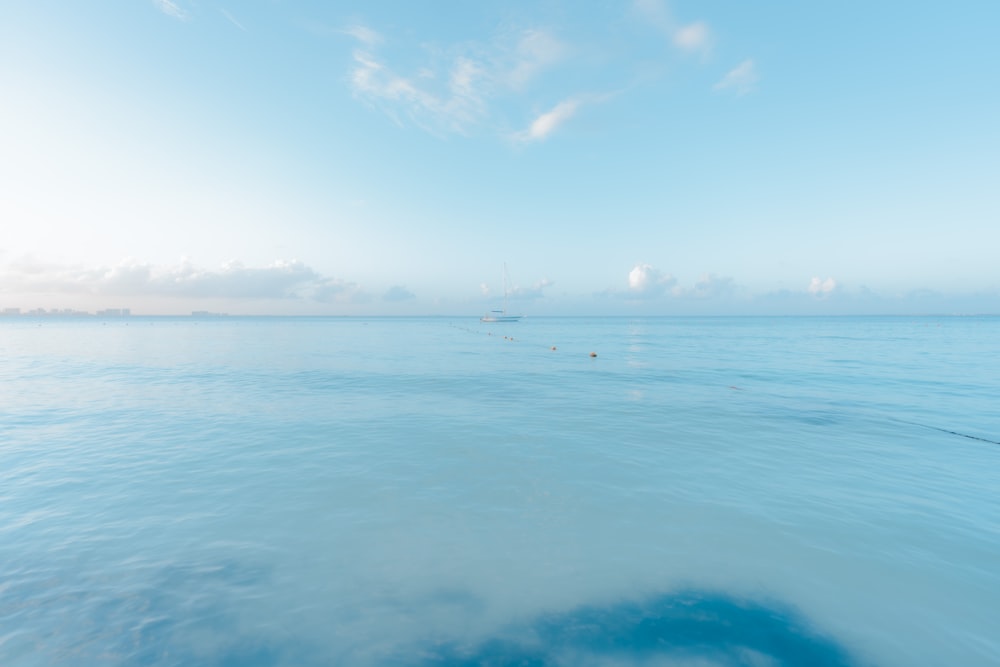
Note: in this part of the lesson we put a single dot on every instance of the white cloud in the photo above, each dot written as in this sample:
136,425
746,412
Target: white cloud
455,89
647,282
466,103
232,19
171,8
656,14
373,78
461,106
464,75
822,288
536,50
549,121
283,279
644,280
456,108
691,38
365,35
472,85
482,84
741,79
280,280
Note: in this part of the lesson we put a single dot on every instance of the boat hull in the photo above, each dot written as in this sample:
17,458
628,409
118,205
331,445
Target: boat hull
500,318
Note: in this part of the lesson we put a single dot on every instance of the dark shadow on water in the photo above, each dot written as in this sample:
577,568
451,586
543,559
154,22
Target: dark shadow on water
703,628
688,626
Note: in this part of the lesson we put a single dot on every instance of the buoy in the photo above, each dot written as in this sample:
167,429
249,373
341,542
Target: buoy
593,354
553,347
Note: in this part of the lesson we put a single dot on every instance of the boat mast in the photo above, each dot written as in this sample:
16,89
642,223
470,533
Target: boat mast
504,288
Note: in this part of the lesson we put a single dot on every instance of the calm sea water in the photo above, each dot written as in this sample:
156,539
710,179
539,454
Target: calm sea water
306,492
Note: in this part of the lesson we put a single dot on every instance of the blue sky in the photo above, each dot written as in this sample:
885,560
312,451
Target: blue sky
645,157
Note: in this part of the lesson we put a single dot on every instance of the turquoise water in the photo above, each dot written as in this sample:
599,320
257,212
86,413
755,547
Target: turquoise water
304,492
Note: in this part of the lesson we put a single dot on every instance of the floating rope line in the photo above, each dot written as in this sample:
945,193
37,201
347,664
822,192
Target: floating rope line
944,430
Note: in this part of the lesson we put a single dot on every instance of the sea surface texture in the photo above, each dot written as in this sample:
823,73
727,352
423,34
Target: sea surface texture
438,491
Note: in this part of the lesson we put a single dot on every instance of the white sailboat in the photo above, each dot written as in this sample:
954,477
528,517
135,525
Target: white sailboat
501,315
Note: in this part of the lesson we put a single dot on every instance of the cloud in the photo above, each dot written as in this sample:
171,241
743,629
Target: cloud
277,281
711,286
822,288
741,79
280,280
27,265
372,78
548,122
335,290
365,35
693,38
171,8
476,85
456,109
534,292
829,297
536,51
646,281
456,89
283,280
232,19
398,293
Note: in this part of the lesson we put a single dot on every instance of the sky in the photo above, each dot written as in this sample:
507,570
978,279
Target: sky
645,157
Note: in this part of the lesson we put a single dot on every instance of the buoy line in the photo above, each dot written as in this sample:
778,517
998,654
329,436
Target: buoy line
509,337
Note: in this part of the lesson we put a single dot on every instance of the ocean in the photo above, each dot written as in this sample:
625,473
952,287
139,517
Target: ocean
303,492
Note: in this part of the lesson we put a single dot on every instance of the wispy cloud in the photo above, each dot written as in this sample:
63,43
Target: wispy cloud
451,89
695,38
365,35
460,106
491,84
171,8
547,123
536,50
232,19
741,80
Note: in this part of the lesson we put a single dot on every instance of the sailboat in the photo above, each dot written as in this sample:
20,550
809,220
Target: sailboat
501,315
